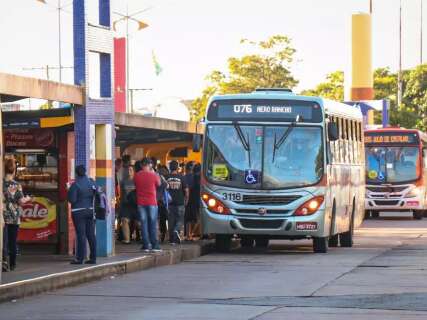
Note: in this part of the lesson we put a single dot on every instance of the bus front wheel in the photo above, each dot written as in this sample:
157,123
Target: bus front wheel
223,242
418,214
320,245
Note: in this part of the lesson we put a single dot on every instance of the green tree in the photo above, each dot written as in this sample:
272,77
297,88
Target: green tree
332,88
269,67
415,96
411,113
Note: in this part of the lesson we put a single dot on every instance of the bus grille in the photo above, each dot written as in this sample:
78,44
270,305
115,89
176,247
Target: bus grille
263,199
386,189
386,202
269,211
261,224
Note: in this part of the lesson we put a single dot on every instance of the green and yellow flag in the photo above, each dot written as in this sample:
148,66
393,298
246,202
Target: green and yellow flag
158,69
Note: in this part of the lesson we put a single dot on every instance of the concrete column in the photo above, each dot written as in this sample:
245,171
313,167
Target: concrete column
104,178
94,121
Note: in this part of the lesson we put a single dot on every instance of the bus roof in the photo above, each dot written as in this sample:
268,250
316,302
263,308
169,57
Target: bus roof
331,107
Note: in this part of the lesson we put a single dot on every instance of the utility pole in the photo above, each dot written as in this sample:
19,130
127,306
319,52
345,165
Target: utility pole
399,75
59,8
141,25
421,32
370,6
59,41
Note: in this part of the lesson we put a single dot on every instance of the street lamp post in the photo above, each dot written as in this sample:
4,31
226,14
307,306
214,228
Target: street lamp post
399,75
59,8
421,31
141,25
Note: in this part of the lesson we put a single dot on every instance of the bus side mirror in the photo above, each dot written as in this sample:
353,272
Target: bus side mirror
197,142
332,131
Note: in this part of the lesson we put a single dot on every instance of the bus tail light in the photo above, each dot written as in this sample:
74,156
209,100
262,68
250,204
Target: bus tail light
309,207
214,204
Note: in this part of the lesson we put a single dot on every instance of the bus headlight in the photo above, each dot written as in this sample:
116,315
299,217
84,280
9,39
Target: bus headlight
415,192
214,204
309,207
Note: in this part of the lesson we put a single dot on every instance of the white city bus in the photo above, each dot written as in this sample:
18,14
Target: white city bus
282,166
396,171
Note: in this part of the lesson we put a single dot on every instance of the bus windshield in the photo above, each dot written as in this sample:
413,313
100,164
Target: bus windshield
256,164
395,164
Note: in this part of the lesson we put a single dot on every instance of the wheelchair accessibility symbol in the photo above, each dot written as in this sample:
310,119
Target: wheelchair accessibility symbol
251,176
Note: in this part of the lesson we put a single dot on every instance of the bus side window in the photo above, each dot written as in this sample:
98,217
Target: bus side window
331,147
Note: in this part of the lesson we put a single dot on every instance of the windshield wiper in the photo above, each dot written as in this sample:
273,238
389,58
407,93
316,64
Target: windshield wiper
278,144
245,143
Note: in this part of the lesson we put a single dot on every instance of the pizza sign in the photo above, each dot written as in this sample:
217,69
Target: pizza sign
29,138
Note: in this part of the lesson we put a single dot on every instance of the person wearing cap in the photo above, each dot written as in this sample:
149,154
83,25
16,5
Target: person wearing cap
81,197
146,184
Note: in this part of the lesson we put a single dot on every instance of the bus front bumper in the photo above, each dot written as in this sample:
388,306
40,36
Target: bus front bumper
401,204
281,227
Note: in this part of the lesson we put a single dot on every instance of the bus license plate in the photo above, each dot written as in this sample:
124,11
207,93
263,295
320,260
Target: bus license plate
232,196
306,226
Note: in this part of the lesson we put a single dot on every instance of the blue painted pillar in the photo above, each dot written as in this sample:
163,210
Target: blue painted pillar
94,122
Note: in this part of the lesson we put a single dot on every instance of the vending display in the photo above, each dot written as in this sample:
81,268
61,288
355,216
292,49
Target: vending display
37,170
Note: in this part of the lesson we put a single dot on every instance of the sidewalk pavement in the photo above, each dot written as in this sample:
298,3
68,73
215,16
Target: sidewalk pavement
35,274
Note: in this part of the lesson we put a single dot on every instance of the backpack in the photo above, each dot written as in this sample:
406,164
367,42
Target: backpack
100,204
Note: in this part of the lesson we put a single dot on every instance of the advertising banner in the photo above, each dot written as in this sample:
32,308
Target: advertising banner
29,138
38,221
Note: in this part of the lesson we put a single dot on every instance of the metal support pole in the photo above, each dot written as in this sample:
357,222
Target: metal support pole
59,41
127,60
421,32
399,75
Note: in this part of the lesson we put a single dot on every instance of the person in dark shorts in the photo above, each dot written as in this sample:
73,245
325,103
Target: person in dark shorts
179,192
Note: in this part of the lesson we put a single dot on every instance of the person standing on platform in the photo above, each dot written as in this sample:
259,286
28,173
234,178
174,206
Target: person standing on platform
127,208
179,192
13,198
188,214
193,217
146,184
81,197
163,201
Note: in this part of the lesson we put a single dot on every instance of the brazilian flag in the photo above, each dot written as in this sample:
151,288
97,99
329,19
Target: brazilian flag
158,69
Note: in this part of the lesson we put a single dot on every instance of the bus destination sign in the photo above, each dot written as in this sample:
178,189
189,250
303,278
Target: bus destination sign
391,138
265,110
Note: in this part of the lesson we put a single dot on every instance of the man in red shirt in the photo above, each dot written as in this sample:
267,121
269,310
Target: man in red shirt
146,183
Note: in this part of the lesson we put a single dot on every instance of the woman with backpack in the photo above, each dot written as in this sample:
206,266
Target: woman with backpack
81,196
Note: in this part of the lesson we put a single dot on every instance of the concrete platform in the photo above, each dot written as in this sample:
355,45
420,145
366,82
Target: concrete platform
37,274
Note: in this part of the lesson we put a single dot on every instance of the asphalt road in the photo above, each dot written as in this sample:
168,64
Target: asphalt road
383,276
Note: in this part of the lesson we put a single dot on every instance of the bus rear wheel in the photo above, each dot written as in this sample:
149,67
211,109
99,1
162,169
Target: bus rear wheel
247,242
418,214
223,242
262,242
320,245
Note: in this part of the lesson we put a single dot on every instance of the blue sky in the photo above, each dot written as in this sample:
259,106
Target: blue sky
192,37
